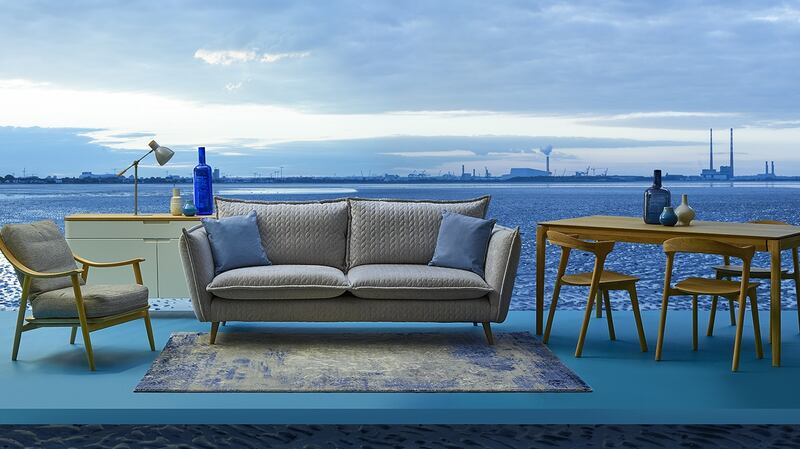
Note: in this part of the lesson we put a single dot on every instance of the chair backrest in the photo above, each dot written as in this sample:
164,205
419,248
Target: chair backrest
708,246
39,246
599,248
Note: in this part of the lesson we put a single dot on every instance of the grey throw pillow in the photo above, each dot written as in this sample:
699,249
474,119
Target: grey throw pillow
462,242
235,242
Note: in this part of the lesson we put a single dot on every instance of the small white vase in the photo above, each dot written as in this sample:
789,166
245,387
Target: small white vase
684,212
175,203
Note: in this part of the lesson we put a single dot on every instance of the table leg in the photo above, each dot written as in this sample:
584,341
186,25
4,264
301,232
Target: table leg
774,247
541,237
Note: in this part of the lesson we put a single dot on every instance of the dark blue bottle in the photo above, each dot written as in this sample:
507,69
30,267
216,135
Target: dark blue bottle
203,193
656,198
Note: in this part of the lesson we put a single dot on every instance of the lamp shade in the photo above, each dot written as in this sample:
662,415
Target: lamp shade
163,154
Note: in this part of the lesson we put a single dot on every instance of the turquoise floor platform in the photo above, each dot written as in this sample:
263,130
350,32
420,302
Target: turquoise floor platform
51,384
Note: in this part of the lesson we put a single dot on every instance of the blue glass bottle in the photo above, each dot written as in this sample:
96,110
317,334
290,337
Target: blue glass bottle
656,198
203,192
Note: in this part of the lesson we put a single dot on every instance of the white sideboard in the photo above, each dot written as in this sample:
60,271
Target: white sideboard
112,237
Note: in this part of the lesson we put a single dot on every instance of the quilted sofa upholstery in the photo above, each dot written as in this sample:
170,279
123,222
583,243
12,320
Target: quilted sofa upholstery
351,260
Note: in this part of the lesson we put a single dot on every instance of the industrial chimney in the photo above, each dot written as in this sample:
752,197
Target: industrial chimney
766,167
773,168
711,149
731,153
546,151
462,171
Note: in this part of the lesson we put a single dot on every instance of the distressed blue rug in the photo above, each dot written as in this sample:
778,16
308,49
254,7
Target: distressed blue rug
358,362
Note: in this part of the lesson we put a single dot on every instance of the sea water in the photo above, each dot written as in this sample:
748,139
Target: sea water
512,204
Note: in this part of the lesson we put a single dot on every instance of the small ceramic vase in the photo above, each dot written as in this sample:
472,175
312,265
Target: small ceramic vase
684,212
175,207
189,210
668,217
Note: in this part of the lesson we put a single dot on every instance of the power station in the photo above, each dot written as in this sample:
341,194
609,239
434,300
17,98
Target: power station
725,172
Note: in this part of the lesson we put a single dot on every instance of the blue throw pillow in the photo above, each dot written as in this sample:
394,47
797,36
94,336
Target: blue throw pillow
235,242
462,243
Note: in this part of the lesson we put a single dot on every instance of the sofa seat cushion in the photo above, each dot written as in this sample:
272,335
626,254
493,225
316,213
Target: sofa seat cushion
406,281
99,300
280,282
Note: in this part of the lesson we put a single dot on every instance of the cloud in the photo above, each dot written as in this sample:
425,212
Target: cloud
446,153
781,14
275,57
230,87
228,57
224,57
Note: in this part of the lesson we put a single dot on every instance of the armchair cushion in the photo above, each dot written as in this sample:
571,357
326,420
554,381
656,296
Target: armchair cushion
99,300
40,247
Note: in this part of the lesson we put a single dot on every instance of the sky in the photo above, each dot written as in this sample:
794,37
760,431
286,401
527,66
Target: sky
357,87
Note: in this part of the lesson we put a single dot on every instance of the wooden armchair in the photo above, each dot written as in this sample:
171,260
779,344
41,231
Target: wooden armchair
55,286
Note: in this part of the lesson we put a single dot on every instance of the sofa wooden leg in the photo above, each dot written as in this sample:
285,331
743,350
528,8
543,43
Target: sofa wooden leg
487,329
214,329
474,323
73,334
224,323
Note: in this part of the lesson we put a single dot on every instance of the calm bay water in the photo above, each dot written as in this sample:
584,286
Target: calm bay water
512,205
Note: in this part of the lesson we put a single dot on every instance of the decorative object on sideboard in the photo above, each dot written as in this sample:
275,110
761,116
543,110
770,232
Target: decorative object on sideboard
189,209
684,212
656,198
668,216
176,203
203,191
163,155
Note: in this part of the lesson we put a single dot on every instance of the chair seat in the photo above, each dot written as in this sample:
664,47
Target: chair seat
608,278
755,272
705,286
99,300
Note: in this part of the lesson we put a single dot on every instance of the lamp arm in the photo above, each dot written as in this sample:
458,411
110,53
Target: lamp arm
136,162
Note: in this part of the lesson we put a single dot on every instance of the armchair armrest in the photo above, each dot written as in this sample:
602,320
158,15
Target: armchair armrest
137,270
502,260
198,265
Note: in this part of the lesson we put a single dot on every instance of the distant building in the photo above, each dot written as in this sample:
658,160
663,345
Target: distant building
90,175
522,172
216,175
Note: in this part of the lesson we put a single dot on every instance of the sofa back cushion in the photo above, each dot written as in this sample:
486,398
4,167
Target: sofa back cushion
401,231
298,233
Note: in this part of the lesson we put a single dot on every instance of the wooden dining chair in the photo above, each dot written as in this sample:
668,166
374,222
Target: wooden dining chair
695,287
729,271
599,281
56,288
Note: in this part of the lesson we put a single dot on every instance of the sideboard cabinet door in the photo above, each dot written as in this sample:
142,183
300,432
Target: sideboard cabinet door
112,250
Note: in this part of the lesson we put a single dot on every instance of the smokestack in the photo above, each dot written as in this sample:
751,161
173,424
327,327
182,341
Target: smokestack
731,153
710,148
766,167
462,170
473,172
773,168
546,151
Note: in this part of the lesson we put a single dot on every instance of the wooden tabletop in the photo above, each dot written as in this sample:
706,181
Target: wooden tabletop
707,228
131,217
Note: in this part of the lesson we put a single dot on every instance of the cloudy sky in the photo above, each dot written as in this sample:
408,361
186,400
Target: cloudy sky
350,87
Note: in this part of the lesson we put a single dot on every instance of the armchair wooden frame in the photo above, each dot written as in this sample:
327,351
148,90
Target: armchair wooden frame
85,324
695,287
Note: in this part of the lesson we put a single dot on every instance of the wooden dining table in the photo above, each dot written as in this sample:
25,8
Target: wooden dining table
764,237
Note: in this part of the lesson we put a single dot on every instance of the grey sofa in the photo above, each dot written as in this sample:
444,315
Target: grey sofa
351,260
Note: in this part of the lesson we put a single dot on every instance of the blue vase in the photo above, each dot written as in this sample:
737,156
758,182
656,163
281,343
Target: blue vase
668,216
189,210
203,192
656,198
